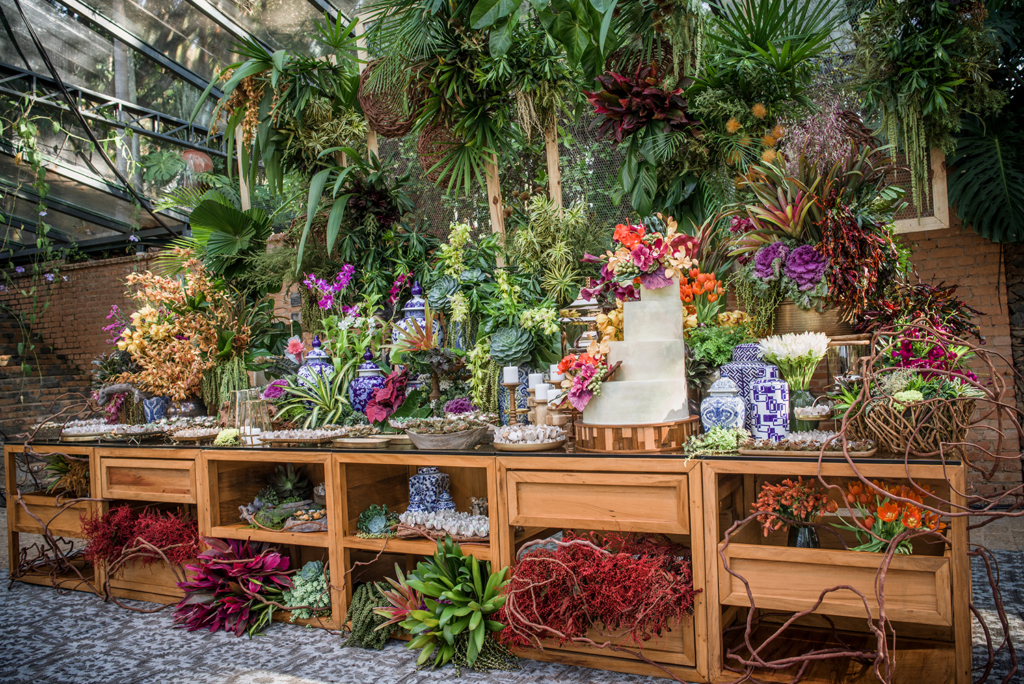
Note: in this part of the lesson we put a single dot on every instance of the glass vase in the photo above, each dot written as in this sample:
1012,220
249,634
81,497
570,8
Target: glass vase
800,398
803,537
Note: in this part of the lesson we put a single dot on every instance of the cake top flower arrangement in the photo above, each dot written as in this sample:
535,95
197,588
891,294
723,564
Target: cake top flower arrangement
651,255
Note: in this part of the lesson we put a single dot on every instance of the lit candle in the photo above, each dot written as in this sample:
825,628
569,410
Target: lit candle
535,379
541,393
510,373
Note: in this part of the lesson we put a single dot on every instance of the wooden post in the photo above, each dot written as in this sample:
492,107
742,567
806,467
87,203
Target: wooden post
494,203
243,187
363,56
554,172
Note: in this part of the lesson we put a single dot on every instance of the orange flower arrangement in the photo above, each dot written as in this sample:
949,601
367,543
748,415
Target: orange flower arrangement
703,291
800,501
177,330
878,520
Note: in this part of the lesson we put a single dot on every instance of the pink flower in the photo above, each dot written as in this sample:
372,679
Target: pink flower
643,257
326,302
295,346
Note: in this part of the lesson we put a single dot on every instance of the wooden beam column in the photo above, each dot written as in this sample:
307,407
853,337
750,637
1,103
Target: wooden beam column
494,203
554,172
364,56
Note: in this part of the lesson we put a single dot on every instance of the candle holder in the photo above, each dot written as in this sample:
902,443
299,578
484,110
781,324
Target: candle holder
513,407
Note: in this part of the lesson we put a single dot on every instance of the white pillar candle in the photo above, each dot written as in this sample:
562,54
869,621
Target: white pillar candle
554,370
535,379
541,393
556,378
510,374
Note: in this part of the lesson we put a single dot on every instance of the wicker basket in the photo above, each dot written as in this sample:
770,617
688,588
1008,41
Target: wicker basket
789,318
935,424
383,108
433,145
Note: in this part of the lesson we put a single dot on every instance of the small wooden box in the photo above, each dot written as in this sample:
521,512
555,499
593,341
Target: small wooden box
144,479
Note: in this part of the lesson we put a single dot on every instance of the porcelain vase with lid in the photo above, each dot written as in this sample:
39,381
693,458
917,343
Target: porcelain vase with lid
416,310
369,378
746,369
318,364
723,408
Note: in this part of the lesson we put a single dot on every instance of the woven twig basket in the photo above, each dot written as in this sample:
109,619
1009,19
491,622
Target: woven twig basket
383,107
433,145
921,428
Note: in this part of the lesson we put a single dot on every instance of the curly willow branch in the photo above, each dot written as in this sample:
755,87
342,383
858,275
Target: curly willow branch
983,433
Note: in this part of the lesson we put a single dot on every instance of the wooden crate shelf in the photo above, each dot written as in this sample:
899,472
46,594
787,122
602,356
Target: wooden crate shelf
243,532
419,547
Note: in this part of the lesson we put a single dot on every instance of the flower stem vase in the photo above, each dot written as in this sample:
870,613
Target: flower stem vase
803,537
799,398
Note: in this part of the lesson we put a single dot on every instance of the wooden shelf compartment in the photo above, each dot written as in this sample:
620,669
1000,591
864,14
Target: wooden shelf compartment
62,520
419,547
65,581
917,587
234,483
915,660
545,496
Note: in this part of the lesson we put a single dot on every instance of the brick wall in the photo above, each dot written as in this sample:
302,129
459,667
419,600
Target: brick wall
72,323
959,255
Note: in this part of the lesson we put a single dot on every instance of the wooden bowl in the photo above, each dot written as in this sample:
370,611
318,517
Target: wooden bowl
456,441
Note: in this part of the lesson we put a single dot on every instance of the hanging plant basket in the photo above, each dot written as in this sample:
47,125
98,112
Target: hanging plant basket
383,108
789,318
922,428
434,144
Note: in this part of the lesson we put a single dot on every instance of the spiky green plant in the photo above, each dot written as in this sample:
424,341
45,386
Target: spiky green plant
289,481
323,402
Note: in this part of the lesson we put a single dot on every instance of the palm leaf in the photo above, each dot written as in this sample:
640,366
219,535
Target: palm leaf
986,180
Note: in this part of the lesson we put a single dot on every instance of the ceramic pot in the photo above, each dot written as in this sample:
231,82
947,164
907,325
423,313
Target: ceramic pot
429,491
803,537
790,318
155,408
416,310
770,399
369,378
318,364
723,408
745,370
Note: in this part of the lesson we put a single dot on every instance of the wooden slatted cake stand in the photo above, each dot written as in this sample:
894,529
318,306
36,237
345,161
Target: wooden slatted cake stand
635,439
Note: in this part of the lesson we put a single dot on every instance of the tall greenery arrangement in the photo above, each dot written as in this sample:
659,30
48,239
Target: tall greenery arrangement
920,67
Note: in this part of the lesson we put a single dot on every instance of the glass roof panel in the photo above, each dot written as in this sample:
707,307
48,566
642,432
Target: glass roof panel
175,28
279,23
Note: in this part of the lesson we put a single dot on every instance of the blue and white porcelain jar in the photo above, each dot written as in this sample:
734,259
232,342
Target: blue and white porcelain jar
423,490
746,369
318,364
369,378
723,408
416,310
771,409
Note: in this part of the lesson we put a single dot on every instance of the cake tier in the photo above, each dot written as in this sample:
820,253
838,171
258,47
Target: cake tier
652,360
651,321
638,402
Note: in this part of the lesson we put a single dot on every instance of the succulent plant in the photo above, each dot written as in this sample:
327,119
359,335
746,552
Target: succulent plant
228,437
511,346
289,481
268,496
440,291
376,521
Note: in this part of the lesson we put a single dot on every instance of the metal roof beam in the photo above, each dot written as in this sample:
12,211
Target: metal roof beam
140,45
12,75
227,23
112,240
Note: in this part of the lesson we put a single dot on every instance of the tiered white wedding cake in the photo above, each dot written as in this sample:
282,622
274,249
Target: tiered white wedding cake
650,385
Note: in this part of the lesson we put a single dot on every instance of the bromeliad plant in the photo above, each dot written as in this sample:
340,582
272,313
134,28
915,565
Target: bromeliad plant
235,587
317,402
446,596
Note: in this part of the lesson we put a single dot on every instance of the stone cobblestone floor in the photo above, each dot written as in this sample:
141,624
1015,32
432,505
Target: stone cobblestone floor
47,638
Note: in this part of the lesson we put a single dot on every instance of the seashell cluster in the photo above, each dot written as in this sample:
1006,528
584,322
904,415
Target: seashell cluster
302,434
147,429
450,522
528,434
816,411
188,421
450,424
309,514
92,426
353,430
812,440
193,432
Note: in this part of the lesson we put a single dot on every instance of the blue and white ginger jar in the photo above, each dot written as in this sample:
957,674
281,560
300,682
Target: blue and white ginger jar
369,378
429,491
723,408
746,369
416,310
771,409
318,364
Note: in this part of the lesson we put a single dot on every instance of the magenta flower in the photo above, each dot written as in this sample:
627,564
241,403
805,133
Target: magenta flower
275,390
459,405
643,257
326,302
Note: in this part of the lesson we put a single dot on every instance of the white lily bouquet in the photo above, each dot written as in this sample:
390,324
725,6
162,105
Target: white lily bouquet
796,355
